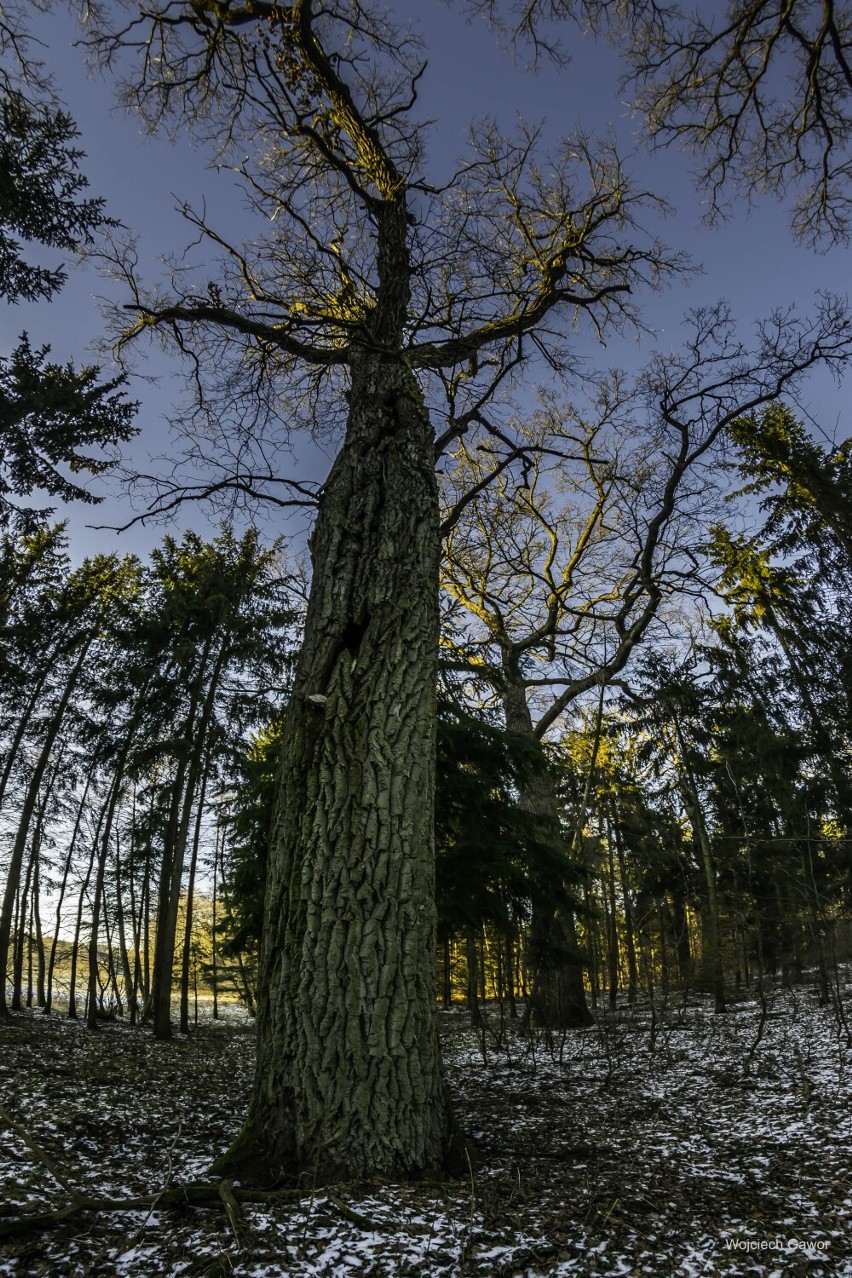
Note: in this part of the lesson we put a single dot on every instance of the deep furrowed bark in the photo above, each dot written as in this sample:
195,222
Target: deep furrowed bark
348,1077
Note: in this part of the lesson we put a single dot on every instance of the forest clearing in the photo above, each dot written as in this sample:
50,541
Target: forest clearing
664,1145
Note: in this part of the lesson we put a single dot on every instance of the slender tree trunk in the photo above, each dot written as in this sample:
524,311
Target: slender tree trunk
214,942
185,792
98,894
81,903
349,1080
511,978
145,918
126,968
711,932
665,974
39,937
66,870
190,890
30,970
629,917
744,941
446,980
593,933
159,1001
112,970
472,980
21,728
28,808
612,924
246,986
22,932
680,933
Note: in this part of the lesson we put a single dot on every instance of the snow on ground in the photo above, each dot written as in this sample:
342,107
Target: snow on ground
678,1147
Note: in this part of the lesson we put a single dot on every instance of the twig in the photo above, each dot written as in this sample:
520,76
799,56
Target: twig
56,1172
140,1231
195,1193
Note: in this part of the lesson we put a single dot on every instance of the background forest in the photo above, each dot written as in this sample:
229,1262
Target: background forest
694,816
632,696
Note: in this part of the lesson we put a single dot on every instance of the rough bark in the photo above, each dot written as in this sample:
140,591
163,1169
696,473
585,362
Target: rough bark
558,992
348,1077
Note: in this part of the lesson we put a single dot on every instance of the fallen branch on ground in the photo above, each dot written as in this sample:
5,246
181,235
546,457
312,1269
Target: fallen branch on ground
192,1194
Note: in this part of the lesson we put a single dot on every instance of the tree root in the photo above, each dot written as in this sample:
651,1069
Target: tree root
354,1217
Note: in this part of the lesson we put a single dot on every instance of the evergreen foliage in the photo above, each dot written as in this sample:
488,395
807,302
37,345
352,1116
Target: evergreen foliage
48,411
493,858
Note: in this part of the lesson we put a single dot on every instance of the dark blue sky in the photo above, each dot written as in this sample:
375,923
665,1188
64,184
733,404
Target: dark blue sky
751,261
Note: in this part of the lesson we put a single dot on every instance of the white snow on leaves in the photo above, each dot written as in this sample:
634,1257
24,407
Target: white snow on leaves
601,1151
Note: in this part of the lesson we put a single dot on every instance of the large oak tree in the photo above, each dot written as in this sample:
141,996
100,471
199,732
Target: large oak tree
371,291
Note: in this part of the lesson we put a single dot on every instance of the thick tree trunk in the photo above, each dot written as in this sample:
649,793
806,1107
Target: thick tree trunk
558,993
349,1079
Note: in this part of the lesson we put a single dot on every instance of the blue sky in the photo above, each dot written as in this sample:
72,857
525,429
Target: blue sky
751,261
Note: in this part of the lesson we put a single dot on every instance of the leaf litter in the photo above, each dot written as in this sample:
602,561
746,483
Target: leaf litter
673,1143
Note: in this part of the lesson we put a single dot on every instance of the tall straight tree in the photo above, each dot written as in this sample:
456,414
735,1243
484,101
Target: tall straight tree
90,599
219,608
374,288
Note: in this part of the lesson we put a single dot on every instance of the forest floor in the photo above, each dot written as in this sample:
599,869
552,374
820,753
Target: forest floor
680,1145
